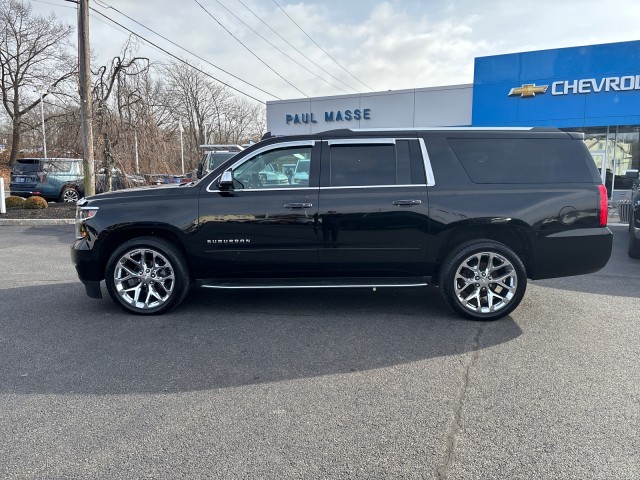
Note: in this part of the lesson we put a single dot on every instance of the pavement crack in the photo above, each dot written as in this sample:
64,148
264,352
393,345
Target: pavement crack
442,471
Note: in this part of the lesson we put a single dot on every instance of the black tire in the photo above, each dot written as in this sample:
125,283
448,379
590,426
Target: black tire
69,195
634,244
469,285
160,283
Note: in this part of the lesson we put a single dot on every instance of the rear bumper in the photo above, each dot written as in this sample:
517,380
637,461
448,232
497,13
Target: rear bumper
572,252
21,190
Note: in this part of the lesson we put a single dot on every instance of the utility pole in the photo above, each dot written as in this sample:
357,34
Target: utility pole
86,105
44,133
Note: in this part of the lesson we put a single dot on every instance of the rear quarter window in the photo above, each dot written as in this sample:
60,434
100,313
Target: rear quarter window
525,160
58,166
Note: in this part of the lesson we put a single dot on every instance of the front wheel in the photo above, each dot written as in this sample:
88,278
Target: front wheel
147,276
483,280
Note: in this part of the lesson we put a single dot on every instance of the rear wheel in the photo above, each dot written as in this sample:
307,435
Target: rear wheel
147,276
483,280
69,194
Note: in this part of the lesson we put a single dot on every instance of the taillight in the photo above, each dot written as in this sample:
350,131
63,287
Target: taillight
604,206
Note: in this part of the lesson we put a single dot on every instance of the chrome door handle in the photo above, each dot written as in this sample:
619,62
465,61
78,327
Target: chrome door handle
406,203
297,206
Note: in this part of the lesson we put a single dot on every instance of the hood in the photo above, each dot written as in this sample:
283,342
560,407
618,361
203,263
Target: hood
131,193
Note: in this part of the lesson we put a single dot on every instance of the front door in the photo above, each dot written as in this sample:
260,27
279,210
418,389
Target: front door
265,225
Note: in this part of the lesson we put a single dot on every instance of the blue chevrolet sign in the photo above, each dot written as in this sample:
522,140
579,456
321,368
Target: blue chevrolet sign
568,87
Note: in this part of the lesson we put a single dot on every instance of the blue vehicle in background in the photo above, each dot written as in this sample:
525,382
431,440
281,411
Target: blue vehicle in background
57,179
61,179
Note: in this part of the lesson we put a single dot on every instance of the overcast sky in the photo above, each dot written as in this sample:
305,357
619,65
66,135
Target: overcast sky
386,45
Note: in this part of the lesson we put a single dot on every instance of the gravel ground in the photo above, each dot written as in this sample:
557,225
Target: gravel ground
55,210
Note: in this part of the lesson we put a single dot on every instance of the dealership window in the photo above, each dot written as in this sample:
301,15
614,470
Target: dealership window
616,152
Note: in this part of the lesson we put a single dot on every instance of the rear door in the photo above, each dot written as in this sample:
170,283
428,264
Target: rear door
374,208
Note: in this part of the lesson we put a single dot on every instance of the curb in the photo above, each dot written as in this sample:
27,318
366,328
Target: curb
35,222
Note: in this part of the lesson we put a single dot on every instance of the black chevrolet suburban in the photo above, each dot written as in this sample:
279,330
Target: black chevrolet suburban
474,211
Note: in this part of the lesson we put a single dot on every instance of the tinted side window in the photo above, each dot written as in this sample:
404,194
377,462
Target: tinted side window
59,166
361,165
523,160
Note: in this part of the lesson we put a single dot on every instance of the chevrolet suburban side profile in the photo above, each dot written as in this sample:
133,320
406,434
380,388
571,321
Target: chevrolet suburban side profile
476,212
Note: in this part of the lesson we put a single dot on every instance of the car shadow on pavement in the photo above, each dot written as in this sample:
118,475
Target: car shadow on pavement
55,340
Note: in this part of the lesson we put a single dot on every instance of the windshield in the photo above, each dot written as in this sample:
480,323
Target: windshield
26,166
303,166
217,159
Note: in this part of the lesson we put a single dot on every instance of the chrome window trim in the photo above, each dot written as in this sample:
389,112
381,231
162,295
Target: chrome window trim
346,141
266,148
369,140
361,141
265,189
431,180
375,186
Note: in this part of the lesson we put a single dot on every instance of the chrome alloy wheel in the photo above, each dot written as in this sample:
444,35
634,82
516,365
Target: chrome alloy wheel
485,282
144,278
70,195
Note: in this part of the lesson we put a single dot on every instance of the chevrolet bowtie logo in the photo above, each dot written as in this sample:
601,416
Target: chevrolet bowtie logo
528,90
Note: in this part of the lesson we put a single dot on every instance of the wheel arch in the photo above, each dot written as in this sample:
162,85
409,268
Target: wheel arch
119,235
75,185
514,234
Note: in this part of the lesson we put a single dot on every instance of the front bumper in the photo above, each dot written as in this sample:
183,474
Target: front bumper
87,264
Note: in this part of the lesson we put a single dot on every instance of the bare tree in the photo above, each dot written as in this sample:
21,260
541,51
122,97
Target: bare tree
34,54
209,112
118,90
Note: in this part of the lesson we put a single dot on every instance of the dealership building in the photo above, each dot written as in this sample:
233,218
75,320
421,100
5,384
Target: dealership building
592,89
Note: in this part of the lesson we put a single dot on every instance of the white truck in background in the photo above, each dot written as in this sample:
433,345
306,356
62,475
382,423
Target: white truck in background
215,155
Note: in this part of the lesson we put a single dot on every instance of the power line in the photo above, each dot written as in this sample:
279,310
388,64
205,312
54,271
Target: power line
105,5
174,56
55,4
294,47
338,63
278,48
249,50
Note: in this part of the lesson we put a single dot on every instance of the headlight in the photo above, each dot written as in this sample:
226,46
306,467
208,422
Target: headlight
82,215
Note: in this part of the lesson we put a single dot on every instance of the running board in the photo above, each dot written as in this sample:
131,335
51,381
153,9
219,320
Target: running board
276,283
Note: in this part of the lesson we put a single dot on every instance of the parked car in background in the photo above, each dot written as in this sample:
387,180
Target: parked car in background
57,179
166,178
214,156
62,179
119,180
301,173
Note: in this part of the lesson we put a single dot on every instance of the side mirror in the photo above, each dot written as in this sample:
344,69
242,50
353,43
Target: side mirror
226,180
199,171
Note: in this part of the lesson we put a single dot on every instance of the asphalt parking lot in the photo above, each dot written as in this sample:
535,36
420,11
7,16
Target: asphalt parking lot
315,384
